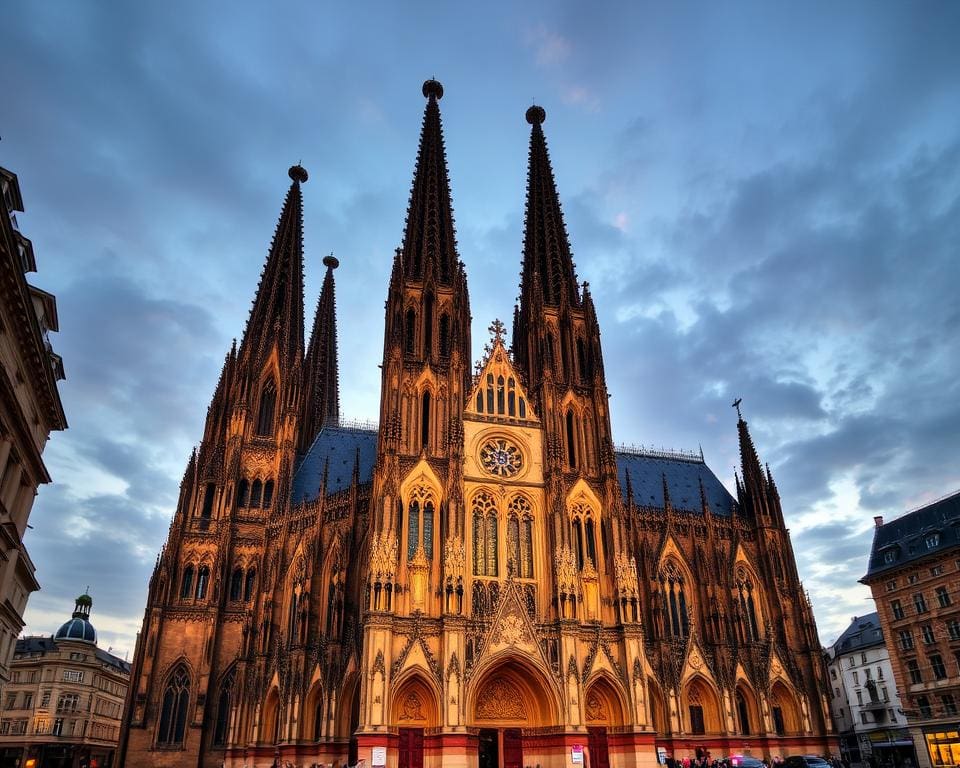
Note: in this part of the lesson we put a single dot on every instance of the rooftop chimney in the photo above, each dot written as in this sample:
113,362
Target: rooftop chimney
878,520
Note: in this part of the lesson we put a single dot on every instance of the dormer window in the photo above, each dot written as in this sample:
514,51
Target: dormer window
889,556
932,539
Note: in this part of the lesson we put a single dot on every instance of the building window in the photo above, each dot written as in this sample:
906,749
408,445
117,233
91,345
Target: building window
203,577
949,704
520,537
885,693
927,631
674,602
778,724
939,668
68,702
833,674
236,585
72,676
923,704
953,628
58,727
856,678
897,609
223,709
571,440
249,583
932,540
891,585
186,585
936,570
920,602
173,711
879,673
836,692
268,404
869,673
863,657
943,597
913,578
889,556
859,697
863,718
485,553
914,671
45,699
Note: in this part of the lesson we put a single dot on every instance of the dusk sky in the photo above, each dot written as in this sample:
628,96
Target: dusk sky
765,199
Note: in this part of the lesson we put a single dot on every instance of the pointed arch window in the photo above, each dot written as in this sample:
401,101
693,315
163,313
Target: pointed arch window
479,401
490,393
268,494
173,708
523,409
207,509
243,494
743,713
578,541
548,350
186,585
222,723
268,404
410,332
485,554
249,584
582,360
203,578
428,325
571,444
746,605
236,585
511,397
674,601
425,421
444,335
256,492
413,529
522,513
428,529
591,541
500,396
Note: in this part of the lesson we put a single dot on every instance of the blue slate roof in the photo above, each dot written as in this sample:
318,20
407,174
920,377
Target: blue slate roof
40,645
77,628
863,632
927,531
683,475
338,445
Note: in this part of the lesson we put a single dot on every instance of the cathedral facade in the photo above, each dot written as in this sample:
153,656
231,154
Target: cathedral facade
483,580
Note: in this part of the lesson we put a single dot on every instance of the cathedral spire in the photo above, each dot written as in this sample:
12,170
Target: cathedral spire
429,241
757,494
546,248
277,313
321,368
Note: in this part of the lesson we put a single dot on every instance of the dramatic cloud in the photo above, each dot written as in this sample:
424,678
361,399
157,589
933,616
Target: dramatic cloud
765,199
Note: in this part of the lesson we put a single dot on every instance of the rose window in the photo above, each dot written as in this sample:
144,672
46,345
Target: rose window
501,458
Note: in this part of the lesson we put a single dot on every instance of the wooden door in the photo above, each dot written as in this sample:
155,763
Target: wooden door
410,753
597,743
512,748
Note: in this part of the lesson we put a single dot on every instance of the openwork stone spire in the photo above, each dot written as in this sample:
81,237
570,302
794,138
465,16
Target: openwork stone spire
277,313
322,371
429,241
546,248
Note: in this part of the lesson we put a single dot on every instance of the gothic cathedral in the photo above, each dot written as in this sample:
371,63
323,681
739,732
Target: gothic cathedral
483,581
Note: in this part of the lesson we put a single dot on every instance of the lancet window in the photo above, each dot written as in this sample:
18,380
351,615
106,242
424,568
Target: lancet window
485,554
268,404
186,585
236,584
173,708
748,626
409,331
520,537
584,534
223,708
673,600
571,433
203,578
420,523
444,336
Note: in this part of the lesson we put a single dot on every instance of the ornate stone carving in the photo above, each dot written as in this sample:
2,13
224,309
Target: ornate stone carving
596,707
412,708
500,700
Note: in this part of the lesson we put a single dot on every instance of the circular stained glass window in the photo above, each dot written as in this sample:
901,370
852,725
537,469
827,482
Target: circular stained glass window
501,458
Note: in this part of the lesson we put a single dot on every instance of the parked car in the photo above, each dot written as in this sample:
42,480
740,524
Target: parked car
744,761
805,761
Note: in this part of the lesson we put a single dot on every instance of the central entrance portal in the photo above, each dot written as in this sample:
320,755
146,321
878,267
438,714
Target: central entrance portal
411,748
494,742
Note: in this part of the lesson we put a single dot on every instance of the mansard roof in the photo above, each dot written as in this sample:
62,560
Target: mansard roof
340,446
911,537
683,473
863,632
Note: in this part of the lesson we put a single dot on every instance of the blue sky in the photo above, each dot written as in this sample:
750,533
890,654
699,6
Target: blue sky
764,197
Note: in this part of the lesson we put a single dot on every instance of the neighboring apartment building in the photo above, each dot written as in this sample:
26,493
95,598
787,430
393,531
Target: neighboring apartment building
864,700
914,574
30,409
63,705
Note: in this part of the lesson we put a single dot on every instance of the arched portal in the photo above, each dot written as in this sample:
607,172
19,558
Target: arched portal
348,714
784,711
312,718
658,710
602,704
748,713
701,708
511,694
270,722
414,704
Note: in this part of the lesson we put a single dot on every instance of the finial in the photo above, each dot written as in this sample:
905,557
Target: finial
432,89
331,261
536,115
736,404
497,330
298,173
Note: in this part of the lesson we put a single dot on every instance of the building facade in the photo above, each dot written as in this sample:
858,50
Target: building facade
30,409
914,575
865,704
63,705
483,580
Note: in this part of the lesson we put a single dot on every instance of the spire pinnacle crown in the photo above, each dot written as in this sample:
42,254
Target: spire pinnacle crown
536,115
331,261
298,173
432,89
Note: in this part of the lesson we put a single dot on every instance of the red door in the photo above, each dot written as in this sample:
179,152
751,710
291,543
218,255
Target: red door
411,748
512,748
597,743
